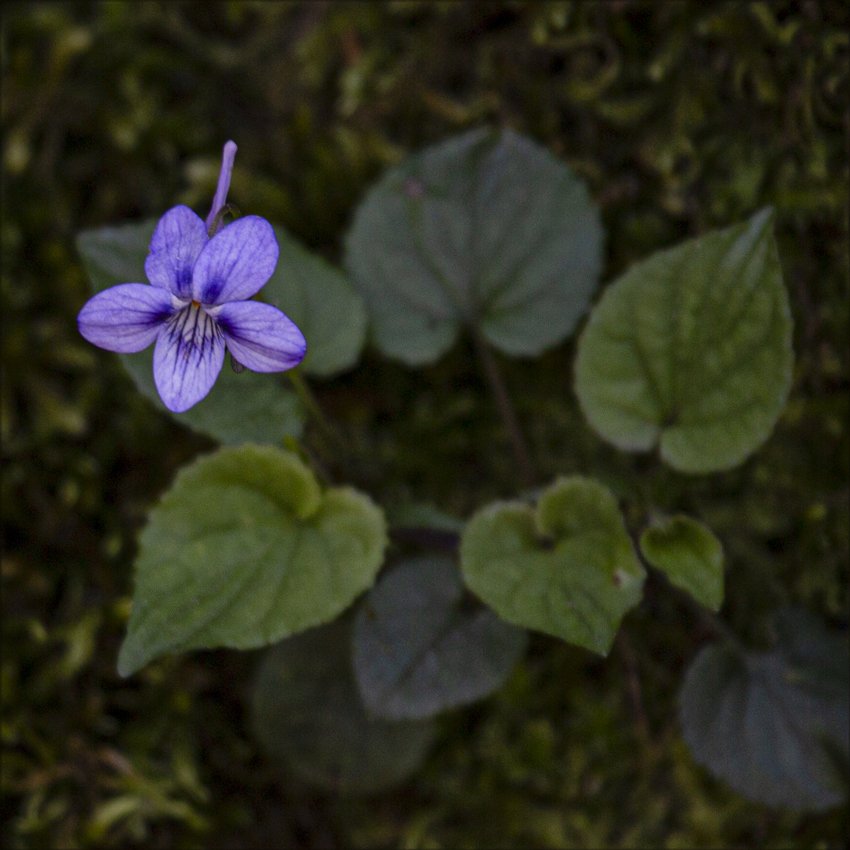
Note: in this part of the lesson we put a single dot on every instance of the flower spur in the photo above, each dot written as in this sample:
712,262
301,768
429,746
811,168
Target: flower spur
196,304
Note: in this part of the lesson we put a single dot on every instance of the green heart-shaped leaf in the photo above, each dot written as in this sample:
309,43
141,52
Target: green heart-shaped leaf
307,713
689,554
487,230
418,649
691,350
566,568
245,549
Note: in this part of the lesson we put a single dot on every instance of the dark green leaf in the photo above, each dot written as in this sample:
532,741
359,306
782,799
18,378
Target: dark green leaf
486,230
752,720
422,515
418,649
307,713
819,656
322,302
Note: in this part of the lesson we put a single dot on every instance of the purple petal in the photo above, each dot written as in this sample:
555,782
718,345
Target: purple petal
227,157
187,358
125,318
175,245
236,262
261,337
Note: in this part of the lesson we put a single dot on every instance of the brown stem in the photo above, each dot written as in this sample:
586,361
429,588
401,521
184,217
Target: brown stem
430,538
633,683
506,409
305,394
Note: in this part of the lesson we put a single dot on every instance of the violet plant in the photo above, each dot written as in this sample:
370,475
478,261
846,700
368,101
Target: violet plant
688,353
201,277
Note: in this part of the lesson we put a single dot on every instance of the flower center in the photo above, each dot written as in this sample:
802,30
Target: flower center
196,304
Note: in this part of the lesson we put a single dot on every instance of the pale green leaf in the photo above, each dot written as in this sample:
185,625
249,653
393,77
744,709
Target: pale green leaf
420,648
245,549
690,350
486,230
566,568
307,713
689,554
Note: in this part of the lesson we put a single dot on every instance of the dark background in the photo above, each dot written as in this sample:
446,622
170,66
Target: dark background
681,117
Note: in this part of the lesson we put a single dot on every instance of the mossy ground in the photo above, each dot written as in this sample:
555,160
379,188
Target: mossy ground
680,116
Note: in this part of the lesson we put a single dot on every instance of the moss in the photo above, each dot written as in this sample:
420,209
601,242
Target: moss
681,117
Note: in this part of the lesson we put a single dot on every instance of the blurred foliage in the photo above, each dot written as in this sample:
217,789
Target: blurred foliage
681,116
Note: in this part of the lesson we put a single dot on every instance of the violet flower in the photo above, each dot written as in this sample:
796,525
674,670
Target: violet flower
196,304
